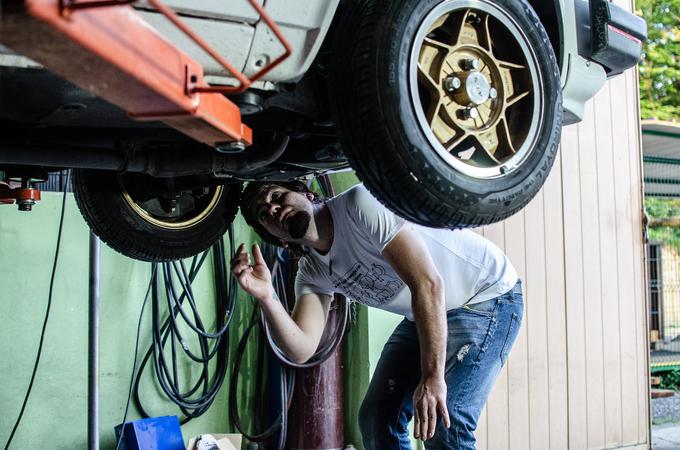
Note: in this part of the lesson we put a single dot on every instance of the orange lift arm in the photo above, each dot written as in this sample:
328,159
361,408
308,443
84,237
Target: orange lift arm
106,48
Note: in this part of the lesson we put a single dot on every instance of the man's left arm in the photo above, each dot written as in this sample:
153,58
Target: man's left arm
412,261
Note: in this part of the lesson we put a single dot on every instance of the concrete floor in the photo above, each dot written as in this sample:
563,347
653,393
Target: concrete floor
666,423
666,437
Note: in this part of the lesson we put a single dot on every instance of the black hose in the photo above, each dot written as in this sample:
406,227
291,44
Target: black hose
175,280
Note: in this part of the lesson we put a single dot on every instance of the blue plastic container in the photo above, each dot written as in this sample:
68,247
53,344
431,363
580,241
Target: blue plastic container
155,433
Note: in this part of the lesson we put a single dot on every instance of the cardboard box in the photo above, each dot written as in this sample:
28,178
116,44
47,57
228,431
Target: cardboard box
224,441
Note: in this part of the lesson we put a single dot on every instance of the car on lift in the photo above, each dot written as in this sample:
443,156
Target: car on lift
449,111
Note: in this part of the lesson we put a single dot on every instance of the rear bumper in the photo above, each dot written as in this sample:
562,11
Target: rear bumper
617,36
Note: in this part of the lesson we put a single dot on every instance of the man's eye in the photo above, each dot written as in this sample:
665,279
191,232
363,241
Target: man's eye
275,195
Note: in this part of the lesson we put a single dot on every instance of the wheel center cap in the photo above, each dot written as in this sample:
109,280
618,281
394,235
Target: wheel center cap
477,88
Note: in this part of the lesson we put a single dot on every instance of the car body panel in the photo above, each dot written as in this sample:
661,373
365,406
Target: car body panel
251,44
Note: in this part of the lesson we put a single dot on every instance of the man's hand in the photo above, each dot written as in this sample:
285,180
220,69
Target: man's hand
256,280
428,400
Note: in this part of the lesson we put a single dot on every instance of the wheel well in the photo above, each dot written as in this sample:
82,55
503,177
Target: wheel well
551,17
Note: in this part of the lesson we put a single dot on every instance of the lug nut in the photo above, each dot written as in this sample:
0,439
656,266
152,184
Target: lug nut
493,93
473,19
470,64
468,113
452,83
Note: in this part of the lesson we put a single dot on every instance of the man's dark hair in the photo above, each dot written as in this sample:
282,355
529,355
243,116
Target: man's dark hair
253,190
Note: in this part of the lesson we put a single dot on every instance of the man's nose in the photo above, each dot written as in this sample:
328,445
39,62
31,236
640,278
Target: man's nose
273,208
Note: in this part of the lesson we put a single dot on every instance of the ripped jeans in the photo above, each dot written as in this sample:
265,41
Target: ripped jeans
480,337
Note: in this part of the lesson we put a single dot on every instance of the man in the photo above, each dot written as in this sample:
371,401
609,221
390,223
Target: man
460,296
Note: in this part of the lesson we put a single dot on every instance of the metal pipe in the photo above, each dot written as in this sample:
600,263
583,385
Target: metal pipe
171,163
93,348
316,413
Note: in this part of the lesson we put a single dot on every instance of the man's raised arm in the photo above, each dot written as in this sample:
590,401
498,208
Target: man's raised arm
299,335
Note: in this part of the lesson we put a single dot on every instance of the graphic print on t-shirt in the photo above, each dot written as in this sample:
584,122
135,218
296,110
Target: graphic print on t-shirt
370,286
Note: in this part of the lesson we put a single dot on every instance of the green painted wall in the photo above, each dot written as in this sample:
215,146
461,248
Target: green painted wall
57,410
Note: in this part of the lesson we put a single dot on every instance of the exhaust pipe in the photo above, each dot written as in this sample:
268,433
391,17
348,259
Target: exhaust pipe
162,164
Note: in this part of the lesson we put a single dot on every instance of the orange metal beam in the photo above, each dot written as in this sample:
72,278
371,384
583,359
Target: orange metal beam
112,52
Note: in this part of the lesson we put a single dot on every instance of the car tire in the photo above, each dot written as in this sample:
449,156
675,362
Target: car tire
396,140
123,223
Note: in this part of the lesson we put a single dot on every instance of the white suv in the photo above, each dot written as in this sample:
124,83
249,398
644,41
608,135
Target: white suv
449,111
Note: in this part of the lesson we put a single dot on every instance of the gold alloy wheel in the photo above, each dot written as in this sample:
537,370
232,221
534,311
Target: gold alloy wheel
188,211
473,78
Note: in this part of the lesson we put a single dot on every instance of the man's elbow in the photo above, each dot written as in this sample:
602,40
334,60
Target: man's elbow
303,351
301,357
431,287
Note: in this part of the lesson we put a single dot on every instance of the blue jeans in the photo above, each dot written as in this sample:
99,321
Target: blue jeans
480,337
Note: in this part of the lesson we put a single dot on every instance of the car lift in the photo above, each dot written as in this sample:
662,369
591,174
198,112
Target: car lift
105,47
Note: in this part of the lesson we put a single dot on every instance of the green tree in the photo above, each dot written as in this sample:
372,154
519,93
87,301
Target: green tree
663,208
660,65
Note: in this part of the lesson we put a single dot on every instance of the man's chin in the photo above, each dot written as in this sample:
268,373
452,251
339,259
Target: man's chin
298,223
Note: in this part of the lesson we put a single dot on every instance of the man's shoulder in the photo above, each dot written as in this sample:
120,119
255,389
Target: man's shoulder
307,266
357,197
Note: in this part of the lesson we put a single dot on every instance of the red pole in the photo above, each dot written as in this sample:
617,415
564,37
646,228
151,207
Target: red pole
316,413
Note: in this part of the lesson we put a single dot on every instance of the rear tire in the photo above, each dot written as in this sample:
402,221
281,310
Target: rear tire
123,223
379,109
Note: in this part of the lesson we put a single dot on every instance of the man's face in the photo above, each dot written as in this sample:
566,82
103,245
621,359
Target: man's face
284,213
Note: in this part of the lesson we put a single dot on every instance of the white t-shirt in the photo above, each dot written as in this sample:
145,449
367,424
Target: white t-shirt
472,268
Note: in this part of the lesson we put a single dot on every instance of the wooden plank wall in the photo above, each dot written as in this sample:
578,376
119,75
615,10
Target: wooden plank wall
577,377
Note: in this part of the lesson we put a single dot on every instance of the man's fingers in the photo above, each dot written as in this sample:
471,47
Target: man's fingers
420,426
238,262
443,410
416,424
243,277
432,421
240,267
257,254
238,255
424,421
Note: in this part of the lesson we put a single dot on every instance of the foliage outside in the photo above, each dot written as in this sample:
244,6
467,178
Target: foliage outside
660,208
660,65
671,380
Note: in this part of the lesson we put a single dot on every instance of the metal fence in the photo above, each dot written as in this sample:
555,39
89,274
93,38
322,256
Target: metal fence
663,256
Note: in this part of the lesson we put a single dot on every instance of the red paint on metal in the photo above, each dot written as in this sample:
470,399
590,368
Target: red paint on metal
624,34
316,413
112,52
8,195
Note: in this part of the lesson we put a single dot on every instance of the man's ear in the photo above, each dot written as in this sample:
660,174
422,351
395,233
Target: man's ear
310,196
